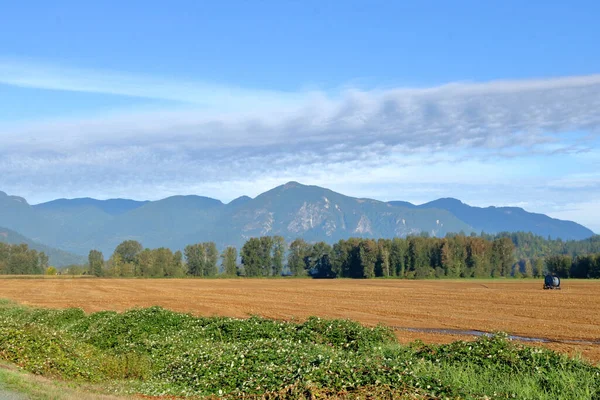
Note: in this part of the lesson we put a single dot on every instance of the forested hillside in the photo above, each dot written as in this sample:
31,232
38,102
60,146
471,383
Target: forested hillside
291,211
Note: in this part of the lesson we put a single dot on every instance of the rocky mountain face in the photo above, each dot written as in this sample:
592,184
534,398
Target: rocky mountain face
292,210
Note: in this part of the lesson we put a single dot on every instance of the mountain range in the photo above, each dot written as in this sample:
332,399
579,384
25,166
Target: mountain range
292,210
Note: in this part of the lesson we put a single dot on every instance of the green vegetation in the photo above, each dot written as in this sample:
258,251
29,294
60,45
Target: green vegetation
158,352
516,255
58,258
19,259
519,255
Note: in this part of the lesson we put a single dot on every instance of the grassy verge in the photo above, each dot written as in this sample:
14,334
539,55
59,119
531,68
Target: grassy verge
156,352
33,387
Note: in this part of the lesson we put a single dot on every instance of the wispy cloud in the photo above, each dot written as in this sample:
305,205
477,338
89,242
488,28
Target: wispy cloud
33,74
226,140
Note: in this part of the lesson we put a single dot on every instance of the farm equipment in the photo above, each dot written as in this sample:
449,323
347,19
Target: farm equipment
551,282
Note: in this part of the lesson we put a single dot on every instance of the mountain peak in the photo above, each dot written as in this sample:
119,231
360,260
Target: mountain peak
13,198
292,184
240,201
448,200
243,198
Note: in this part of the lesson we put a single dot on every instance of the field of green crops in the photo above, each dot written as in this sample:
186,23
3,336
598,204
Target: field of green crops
157,352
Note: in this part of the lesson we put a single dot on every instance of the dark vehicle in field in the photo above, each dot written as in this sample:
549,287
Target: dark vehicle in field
551,282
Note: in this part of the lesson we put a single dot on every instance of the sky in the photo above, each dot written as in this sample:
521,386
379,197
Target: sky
491,102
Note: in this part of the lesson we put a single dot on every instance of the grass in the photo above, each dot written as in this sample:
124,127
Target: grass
35,387
156,352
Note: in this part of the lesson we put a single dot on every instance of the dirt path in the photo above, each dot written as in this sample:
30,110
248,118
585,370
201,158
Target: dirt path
514,306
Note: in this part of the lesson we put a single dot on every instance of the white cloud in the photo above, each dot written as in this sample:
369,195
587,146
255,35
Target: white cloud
35,74
467,139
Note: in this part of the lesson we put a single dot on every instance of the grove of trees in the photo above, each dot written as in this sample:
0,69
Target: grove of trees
19,259
416,257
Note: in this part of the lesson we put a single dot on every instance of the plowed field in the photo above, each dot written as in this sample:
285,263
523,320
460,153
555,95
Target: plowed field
514,306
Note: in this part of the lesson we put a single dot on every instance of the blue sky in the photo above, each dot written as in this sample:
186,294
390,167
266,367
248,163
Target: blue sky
492,102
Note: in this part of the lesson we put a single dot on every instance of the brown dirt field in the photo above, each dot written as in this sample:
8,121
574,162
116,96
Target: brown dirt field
519,307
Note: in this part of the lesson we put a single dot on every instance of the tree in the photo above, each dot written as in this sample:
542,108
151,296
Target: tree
320,261
266,249
44,261
252,257
50,271
163,261
128,250
175,269
145,264
299,251
538,267
419,262
382,268
96,262
398,251
211,255
229,261
502,256
559,265
528,269
595,271
4,257
114,265
368,257
278,255
194,257
582,266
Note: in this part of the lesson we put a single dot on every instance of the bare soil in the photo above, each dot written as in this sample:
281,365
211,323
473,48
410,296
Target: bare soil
519,307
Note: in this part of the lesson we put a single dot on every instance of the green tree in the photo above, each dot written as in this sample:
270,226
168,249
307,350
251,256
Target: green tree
252,257
145,264
559,265
114,265
278,255
194,257
368,252
44,261
266,250
503,256
538,267
398,255
229,261
299,251
320,261
382,268
528,269
175,269
419,260
95,262
163,263
128,250
211,255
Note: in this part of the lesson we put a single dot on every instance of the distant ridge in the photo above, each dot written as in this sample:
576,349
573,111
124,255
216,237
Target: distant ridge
510,219
111,206
291,210
57,258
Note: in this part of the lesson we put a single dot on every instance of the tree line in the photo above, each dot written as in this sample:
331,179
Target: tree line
569,266
130,259
416,257
19,259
